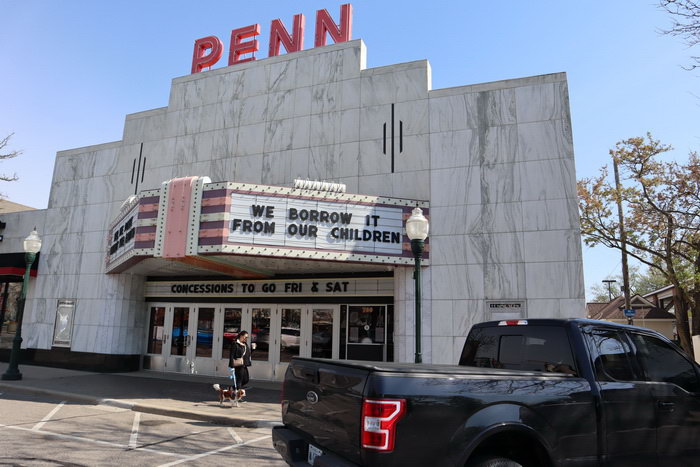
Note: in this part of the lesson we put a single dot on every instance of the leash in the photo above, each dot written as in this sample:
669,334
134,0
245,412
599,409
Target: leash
233,377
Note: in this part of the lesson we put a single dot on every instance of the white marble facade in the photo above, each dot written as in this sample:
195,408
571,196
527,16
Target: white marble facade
494,160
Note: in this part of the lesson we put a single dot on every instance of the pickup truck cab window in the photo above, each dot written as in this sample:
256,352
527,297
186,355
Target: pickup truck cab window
613,356
531,348
662,363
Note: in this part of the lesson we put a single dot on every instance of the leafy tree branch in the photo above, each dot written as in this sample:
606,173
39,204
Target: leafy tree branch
661,218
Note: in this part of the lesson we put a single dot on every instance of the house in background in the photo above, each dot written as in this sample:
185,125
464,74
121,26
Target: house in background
7,206
663,297
652,311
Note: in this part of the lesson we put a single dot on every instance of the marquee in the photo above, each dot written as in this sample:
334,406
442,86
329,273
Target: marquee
192,217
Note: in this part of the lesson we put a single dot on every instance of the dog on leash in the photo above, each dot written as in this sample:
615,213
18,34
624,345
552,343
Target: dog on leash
231,394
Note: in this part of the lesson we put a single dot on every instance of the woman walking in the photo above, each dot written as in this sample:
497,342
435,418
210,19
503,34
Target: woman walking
239,360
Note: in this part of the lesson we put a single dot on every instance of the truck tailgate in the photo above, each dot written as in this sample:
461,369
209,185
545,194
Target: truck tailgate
324,402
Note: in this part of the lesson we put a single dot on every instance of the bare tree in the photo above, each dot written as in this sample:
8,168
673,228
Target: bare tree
685,23
7,155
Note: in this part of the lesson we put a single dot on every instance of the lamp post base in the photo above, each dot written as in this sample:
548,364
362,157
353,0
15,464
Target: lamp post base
11,375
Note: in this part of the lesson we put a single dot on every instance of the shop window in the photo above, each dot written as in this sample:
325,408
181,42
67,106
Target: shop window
366,333
8,312
366,325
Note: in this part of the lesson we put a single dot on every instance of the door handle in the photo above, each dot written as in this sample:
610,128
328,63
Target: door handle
668,406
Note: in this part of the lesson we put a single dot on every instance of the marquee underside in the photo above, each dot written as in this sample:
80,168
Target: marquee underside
247,267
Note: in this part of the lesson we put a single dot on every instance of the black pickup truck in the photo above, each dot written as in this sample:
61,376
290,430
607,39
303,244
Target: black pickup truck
525,392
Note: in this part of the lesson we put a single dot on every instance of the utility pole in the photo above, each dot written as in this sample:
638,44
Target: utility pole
623,242
609,282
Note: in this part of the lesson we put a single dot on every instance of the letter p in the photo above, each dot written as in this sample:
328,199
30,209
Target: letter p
199,59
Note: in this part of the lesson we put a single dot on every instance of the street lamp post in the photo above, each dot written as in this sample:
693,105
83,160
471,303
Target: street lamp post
32,245
417,230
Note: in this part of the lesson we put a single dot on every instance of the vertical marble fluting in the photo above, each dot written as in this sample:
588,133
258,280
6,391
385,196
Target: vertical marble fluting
504,220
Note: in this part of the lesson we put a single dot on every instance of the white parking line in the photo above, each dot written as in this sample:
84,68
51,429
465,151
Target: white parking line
48,416
215,451
235,436
88,440
134,430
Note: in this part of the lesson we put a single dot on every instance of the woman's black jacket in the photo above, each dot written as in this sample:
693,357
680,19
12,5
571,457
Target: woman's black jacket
236,351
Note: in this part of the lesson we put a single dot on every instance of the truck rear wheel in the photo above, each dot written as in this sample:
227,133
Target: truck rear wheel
492,462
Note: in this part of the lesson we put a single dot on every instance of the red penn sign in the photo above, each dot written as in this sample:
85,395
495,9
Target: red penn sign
208,50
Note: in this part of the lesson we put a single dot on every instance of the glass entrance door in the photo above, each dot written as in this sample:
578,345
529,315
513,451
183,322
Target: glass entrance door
202,342
196,339
231,319
156,341
179,357
261,327
287,338
321,331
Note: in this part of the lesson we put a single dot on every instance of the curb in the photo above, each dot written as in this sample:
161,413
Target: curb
152,409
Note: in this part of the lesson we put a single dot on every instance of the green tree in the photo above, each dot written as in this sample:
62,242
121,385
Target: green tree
641,282
661,216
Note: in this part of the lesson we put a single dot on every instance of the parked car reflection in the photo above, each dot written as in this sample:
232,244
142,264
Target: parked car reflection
290,338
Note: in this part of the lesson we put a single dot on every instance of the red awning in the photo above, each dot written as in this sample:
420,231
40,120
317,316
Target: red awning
13,265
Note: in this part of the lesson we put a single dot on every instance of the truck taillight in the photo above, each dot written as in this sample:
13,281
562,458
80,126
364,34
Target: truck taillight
513,322
379,418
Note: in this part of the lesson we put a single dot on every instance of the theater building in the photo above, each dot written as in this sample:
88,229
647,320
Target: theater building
272,195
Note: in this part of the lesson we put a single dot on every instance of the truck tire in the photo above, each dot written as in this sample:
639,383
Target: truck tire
492,462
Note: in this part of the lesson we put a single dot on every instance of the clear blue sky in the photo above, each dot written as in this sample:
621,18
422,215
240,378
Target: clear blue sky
72,70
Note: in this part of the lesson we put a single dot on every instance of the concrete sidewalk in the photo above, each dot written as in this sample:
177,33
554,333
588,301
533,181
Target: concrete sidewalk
182,396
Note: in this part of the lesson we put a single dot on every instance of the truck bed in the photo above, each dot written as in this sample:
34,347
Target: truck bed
434,369
323,402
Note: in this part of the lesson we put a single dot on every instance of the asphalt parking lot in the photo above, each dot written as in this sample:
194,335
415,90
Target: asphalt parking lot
36,430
